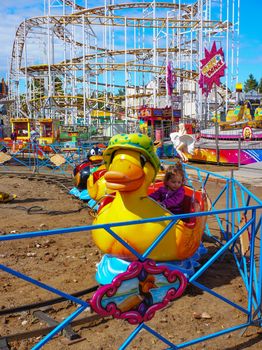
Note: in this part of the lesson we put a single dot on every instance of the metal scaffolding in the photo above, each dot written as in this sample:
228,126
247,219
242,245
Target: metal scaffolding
113,57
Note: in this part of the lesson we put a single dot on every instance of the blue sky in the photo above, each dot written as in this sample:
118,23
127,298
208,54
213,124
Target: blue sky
13,12
250,39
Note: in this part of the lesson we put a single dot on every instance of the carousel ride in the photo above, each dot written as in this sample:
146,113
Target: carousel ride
237,140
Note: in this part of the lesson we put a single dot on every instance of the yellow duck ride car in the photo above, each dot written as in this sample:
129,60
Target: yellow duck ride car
132,166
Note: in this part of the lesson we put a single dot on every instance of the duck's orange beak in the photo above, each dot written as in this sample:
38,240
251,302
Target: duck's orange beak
125,172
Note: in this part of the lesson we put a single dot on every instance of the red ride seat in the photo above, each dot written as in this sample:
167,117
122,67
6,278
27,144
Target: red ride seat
98,174
190,203
189,207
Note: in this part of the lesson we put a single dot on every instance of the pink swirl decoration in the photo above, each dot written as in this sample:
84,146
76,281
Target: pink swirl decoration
139,307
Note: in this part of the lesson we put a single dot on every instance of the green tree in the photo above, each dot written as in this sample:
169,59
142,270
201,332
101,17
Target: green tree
260,86
250,84
121,92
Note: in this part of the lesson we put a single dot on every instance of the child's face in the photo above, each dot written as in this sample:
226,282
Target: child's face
174,182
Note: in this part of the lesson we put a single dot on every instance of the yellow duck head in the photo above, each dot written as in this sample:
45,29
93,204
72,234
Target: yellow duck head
132,165
130,162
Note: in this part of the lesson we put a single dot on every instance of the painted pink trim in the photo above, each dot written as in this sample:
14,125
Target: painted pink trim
134,316
228,137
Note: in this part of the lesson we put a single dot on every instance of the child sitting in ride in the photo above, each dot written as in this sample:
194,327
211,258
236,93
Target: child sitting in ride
171,195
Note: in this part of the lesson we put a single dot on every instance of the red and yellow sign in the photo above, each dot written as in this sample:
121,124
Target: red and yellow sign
212,68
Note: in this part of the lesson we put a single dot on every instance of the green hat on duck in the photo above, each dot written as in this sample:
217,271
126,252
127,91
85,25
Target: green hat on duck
137,142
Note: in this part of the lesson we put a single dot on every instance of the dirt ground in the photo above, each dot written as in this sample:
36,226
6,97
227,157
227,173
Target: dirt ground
68,262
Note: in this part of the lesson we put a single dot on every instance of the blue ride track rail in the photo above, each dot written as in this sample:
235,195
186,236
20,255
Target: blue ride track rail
240,202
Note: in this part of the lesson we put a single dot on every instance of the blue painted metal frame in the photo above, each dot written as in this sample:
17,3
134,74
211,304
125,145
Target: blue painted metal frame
250,271
35,159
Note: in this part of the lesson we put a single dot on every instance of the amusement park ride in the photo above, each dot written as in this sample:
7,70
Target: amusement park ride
237,140
150,255
167,60
103,82
105,70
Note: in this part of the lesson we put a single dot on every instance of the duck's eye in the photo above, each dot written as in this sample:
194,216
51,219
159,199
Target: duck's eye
142,160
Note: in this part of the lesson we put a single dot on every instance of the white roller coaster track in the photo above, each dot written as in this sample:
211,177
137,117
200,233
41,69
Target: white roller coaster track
179,34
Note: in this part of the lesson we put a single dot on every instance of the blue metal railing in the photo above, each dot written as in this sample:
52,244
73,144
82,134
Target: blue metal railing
39,159
239,201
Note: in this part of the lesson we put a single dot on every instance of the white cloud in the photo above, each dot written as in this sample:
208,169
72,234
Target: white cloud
12,13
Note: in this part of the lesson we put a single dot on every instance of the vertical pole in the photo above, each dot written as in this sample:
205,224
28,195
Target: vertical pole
205,116
227,207
154,55
200,99
17,84
126,75
237,35
232,204
65,81
182,100
106,60
167,57
217,141
239,152
216,125
26,75
259,292
49,61
84,67
251,288
135,72
227,49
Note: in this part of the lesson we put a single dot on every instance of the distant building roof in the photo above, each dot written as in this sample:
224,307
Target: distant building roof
253,95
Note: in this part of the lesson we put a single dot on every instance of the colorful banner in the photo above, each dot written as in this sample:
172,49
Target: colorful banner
212,68
170,79
226,156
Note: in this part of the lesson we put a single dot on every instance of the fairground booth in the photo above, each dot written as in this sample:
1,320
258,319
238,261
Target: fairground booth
49,130
158,122
22,127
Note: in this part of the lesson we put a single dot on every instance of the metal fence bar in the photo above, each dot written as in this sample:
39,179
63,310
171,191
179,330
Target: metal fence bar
219,253
221,297
251,278
43,285
212,335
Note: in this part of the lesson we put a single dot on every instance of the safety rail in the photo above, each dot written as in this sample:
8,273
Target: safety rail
43,159
240,203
